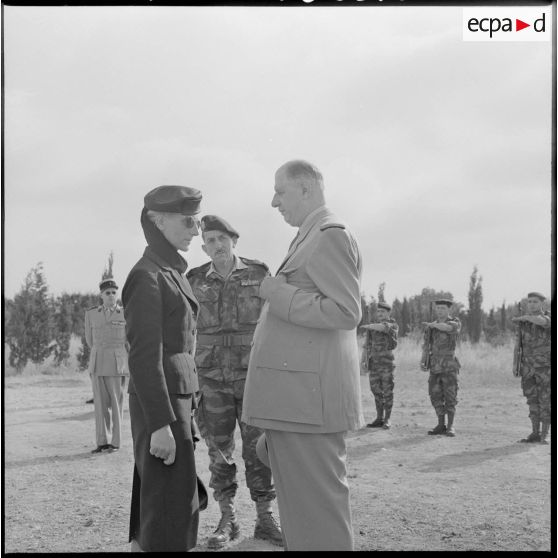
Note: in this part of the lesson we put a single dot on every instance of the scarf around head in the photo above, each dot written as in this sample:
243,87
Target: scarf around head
160,245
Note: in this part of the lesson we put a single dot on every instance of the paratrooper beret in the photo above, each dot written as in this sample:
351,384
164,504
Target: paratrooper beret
174,199
107,284
214,223
385,306
445,301
540,296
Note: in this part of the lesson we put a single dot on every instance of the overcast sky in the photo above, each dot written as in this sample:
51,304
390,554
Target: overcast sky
435,151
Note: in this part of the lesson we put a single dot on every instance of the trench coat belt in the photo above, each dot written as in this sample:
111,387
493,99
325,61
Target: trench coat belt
225,340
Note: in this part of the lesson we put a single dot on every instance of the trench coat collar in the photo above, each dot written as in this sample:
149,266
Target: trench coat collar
178,278
305,229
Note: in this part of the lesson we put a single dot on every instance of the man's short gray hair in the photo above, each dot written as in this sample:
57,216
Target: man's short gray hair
300,169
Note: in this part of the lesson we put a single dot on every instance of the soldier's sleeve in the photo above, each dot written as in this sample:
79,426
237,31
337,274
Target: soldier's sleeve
547,318
88,332
425,344
392,331
455,324
143,311
334,267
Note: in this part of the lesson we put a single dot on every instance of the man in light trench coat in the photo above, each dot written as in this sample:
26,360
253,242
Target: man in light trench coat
303,383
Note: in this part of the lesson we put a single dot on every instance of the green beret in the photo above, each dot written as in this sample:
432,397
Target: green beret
214,223
174,199
385,306
540,296
107,284
445,301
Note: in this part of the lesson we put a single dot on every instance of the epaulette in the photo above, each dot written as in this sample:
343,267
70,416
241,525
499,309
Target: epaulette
254,262
200,269
332,226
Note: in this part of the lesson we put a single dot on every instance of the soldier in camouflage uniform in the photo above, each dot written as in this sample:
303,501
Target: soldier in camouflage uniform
381,339
438,356
532,363
227,289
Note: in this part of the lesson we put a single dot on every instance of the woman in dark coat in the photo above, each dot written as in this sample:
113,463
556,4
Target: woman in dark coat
160,312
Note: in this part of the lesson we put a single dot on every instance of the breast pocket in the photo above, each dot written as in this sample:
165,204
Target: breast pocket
118,330
209,309
249,305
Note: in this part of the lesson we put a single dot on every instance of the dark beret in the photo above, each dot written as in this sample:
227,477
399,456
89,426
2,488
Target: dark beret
174,199
540,296
107,284
385,306
214,223
445,301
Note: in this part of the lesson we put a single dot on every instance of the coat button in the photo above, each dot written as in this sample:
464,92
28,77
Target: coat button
285,364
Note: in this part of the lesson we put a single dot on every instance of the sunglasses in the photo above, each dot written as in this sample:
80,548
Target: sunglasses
110,292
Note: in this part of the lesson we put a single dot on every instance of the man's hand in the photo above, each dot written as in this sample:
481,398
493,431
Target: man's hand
163,445
423,368
269,284
518,319
428,324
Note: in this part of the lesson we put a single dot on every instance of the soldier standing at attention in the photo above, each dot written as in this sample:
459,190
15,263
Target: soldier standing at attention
105,334
532,363
381,339
438,356
227,290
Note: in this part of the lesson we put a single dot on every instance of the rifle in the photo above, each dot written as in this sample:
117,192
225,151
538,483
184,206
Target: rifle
428,357
518,350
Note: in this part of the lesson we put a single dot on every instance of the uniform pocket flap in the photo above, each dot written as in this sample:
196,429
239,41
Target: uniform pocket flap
288,396
298,359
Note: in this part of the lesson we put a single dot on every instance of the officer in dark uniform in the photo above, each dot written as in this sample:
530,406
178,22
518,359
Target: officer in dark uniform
161,313
108,365
438,356
227,290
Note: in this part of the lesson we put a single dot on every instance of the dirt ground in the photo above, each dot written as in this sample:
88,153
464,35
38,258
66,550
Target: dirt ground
481,490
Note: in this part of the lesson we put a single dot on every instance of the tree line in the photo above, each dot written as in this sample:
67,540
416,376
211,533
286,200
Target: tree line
39,325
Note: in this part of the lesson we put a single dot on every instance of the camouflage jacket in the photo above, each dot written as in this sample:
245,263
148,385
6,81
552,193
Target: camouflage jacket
229,311
441,345
379,345
535,341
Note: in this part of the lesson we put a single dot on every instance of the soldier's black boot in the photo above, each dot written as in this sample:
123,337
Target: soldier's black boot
440,428
450,430
267,528
544,432
387,415
228,528
535,436
379,422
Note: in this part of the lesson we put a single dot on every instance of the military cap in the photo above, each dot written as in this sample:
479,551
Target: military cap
108,283
385,306
174,199
214,223
540,296
445,301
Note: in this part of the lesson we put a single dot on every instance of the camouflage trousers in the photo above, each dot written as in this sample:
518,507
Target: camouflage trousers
442,388
381,384
219,410
535,382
